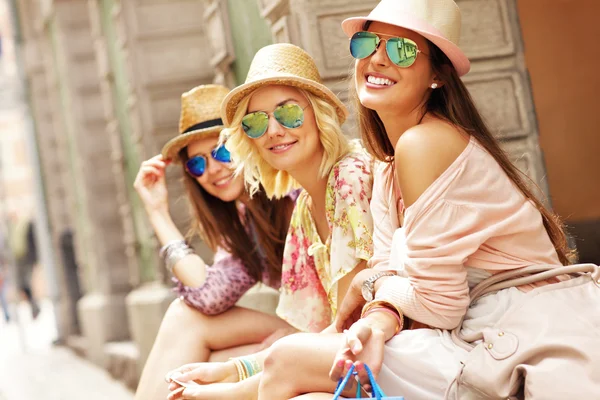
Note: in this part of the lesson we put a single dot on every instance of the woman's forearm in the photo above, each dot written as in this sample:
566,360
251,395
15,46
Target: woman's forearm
191,269
164,227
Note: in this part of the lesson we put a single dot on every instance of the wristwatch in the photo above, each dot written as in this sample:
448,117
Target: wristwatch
368,286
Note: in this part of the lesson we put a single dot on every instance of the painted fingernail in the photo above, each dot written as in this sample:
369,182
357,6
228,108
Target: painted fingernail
340,363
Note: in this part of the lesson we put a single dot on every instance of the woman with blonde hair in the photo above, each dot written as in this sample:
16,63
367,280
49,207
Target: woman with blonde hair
284,131
247,235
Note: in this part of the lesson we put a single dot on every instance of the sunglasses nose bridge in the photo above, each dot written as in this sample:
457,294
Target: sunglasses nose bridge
212,166
274,127
212,162
379,55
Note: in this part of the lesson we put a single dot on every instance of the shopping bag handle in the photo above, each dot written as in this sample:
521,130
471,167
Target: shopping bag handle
376,391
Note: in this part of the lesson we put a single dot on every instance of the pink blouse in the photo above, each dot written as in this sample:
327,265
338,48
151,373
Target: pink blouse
226,280
472,220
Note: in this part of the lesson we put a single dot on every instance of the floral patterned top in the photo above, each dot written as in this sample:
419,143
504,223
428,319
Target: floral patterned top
311,269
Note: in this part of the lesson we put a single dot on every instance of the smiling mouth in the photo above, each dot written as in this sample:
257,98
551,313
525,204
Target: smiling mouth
283,146
223,181
374,80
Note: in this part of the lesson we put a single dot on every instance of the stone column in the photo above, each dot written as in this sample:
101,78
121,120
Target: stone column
99,231
218,33
43,97
284,26
158,58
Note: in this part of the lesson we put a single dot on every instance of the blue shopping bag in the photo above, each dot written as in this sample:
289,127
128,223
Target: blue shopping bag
376,392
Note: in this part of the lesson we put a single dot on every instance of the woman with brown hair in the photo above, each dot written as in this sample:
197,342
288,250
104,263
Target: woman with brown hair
449,211
246,233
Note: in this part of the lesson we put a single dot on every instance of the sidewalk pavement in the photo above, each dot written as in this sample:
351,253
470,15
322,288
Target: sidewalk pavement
31,368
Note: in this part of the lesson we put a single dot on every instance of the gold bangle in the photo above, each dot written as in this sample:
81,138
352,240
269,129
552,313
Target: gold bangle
382,303
240,369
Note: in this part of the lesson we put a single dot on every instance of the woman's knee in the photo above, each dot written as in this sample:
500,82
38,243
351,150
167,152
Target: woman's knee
180,317
281,364
282,351
290,364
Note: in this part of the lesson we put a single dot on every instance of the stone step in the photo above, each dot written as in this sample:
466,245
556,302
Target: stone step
78,344
122,362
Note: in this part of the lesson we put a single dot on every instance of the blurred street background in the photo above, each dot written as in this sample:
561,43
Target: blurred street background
91,88
32,368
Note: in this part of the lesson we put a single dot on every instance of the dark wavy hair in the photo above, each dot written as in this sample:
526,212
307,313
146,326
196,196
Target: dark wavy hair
452,103
220,224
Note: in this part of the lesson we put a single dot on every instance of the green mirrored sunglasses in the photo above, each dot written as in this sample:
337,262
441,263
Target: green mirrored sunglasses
290,116
402,51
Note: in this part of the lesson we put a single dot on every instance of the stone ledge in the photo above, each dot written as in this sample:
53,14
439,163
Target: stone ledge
261,298
78,344
122,361
146,307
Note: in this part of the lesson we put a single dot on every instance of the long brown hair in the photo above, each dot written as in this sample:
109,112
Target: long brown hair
452,102
220,224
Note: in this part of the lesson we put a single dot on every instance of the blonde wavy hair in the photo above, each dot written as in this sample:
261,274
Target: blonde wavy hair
277,183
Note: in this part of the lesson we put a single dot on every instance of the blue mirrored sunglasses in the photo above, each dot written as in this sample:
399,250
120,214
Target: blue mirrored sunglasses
196,166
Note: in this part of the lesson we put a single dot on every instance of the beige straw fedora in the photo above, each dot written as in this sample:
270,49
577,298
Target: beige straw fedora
200,116
437,20
281,64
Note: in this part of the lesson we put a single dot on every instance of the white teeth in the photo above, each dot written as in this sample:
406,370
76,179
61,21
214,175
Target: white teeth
281,146
223,181
379,81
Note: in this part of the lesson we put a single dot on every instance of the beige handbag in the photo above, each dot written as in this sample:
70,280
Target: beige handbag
545,347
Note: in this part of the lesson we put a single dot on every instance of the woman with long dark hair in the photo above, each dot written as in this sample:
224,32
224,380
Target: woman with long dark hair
449,211
247,235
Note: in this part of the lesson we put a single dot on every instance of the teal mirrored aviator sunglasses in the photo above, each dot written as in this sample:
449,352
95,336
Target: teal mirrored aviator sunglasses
290,116
402,51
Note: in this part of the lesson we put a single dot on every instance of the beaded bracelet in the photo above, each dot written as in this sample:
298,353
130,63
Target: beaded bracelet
240,369
385,306
246,367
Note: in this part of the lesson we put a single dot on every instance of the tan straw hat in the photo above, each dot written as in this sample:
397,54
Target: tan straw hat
200,116
437,20
281,64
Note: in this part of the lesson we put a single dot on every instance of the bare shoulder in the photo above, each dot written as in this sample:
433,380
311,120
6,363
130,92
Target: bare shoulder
423,153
